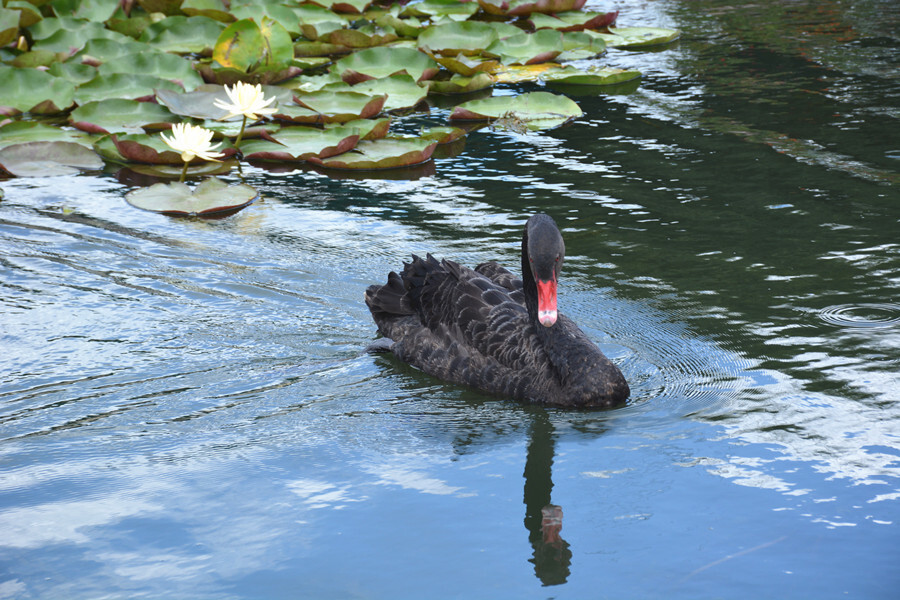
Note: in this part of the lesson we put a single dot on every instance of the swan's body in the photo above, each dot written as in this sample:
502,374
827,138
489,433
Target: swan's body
487,329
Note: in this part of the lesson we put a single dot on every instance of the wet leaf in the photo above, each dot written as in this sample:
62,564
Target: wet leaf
30,90
200,103
450,39
455,10
459,84
9,26
296,144
639,37
214,9
386,153
130,86
46,159
518,8
120,116
443,135
401,90
151,149
575,20
579,45
179,199
376,63
183,35
534,110
18,132
527,48
331,107
369,129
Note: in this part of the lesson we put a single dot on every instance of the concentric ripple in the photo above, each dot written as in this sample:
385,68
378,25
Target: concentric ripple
862,316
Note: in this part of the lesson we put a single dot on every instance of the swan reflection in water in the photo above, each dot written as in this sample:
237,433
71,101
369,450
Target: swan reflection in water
543,519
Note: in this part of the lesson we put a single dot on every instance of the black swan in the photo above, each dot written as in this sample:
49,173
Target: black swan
487,329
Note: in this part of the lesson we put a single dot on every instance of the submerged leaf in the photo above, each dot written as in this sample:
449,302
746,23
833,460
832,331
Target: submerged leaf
211,197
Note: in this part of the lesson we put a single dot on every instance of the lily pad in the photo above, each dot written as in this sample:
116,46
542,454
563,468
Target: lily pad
459,84
527,48
450,39
599,76
364,37
74,72
96,52
200,103
214,9
386,153
131,86
296,144
639,37
401,90
330,107
151,149
71,40
246,46
443,135
30,90
578,45
369,129
18,132
453,9
518,8
183,35
120,116
164,66
534,110
467,66
44,159
575,20
211,197
375,63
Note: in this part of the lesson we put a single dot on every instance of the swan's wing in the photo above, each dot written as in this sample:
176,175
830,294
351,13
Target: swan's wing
504,279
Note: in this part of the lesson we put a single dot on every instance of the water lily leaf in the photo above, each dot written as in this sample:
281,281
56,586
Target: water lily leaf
120,116
74,72
534,110
364,37
44,159
148,174
600,76
96,52
305,49
401,90
386,153
37,58
296,144
578,45
72,40
356,7
467,65
455,10
527,48
178,199
47,27
151,149
246,46
9,26
575,20
183,35
518,8
95,10
130,86
331,107
409,27
214,9
200,103
166,7
639,37
29,13
459,84
369,129
376,63
18,132
450,39
213,73
287,16
443,135
30,90
162,65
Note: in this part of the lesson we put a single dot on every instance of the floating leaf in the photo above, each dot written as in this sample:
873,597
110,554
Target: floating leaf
639,37
459,84
367,37
443,135
120,116
575,20
29,14
151,149
467,65
96,52
376,63
518,8
130,86
45,159
18,132
214,9
401,90
296,144
369,129
527,48
164,66
211,197
600,76
183,35
534,110
30,90
579,45
37,58
9,26
70,40
450,39
200,103
331,107
346,6
455,10
386,153
74,72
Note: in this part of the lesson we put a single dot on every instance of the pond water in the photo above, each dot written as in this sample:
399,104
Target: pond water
188,412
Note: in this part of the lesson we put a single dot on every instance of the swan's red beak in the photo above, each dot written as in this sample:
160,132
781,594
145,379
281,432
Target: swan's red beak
546,302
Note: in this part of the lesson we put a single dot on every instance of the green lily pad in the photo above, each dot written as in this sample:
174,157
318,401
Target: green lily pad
287,16
164,66
450,39
151,149
95,10
29,13
409,27
386,153
36,58
599,76
200,103
120,116
73,72
376,63
97,52
353,7
455,10
369,129
534,110
639,37
296,144
578,45
214,9
71,40
575,20
45,159
18,132
130,86
527,48
443,135
183,35
459,84
467,66
330,107
364,37
246,46
211,197
30,90
518,8
401,90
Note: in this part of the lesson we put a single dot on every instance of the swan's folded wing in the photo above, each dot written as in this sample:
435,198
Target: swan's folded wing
504,279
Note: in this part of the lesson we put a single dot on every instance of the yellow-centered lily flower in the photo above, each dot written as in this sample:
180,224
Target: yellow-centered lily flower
247,100
191,141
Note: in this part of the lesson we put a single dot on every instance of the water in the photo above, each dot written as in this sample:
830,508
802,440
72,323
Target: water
186,409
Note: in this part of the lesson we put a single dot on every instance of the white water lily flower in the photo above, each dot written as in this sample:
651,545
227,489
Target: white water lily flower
247,100
191,141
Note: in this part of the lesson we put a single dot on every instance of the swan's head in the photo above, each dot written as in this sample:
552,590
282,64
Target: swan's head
545,251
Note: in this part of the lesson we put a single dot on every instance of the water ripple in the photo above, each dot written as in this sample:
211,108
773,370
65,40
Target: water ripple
862,316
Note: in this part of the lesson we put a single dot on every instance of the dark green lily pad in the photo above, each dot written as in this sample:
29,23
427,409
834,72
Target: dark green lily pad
130,86
165,66
183,35
97,52
296,144
369,129
211,197
30,90
386,153
519,8
450,39
246,46
151,149
45,159
401,90
331,107
527,48
18,132
375,63
575,20
72,40
214,9
364,37
459,84
74,72
533,111
120,116
453,9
